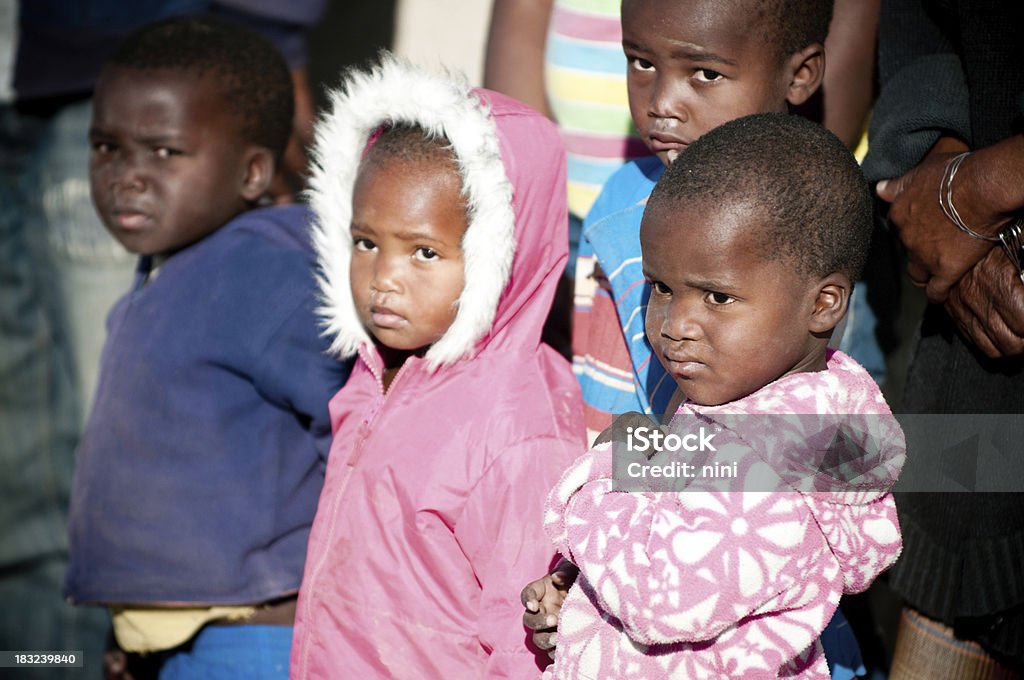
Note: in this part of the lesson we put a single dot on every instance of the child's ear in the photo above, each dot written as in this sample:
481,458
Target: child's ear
259,172
831,302
807,68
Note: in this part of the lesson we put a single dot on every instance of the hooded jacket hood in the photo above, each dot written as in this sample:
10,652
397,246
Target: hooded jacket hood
438,479
502,280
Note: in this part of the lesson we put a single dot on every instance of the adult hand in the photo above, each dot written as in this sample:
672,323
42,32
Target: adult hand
938,253
988,306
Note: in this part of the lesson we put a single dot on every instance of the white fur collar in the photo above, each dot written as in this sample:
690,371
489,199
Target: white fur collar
396,91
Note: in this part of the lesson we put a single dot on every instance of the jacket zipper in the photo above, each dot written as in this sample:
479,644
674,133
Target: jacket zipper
365,427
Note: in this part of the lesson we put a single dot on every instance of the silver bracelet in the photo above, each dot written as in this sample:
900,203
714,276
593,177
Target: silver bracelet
1012,240
946,199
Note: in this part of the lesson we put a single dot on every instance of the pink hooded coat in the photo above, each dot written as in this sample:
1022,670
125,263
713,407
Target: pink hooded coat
739,579
430,520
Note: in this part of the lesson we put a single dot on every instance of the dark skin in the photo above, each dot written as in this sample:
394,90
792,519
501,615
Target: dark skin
291,175
973,279
692,67
407,269
543,598
118,665
675,96
514,62
168,166
716,295
987,305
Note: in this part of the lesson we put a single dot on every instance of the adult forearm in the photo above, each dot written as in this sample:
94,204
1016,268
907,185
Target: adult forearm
993,183
514,63
848,88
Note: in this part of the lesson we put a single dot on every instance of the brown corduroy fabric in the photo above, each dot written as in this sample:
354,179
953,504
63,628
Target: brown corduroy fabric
928,650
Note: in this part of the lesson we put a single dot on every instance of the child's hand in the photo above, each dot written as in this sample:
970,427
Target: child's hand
619,430
115,665
543,601
121,665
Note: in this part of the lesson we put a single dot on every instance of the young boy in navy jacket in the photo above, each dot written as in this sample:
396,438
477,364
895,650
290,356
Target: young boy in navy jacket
199,470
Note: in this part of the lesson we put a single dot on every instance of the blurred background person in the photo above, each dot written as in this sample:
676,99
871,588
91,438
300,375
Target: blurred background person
952,82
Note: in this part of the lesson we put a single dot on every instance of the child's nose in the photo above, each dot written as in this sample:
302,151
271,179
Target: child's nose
666,100
128,173
387,275
679,321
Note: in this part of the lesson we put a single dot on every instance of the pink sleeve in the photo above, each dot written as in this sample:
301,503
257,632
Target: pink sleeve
860,524
502,535
684,566
864,537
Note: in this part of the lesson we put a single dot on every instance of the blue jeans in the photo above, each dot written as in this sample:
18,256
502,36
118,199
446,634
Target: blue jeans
230,652
842,653
90,269
43,192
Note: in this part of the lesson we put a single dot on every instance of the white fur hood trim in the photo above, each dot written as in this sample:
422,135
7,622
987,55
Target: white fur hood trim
395,91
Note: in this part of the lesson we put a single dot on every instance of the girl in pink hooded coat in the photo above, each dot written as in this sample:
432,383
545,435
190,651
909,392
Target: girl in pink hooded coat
750,242
438,270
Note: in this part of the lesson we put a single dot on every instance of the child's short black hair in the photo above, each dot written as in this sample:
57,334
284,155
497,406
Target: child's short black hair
254,76
410,142
791,25
794,175
787,26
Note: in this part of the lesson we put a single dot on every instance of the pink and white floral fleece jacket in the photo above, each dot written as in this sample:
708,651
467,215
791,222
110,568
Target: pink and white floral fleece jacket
728,582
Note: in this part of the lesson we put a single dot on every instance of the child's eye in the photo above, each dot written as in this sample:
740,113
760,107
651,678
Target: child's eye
102,147
364,245
165,152
640,64
707,75
660,288
425,254
716,298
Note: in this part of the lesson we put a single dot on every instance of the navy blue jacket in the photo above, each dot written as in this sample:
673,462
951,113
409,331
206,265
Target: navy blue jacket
200,468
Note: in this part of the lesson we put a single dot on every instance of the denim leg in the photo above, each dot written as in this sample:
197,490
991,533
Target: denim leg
229,652
39,420
842,653
91,270
575,233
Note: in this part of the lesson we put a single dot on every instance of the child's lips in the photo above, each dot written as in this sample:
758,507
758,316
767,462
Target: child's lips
386,318
131,220
670,145
683,366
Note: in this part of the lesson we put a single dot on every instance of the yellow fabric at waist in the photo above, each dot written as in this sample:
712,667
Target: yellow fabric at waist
155,629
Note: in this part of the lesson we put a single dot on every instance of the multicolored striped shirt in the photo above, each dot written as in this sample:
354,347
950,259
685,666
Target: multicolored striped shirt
612,358
585,77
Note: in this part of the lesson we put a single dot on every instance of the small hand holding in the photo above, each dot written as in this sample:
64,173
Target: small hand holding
543,600
115,665
620,428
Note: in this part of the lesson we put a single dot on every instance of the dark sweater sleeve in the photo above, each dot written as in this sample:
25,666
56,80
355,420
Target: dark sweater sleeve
923,92
300,375
287,358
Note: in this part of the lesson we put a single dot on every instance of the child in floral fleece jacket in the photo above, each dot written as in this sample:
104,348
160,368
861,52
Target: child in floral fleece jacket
751,241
